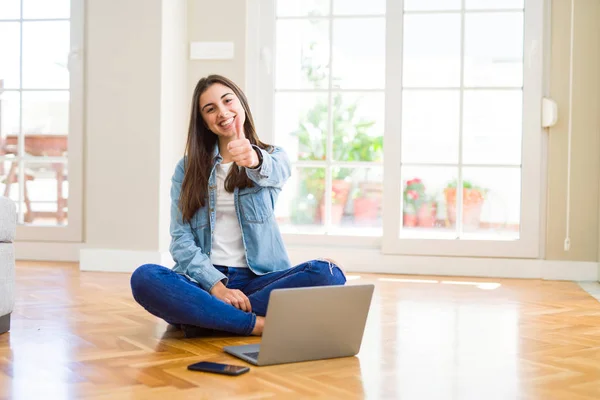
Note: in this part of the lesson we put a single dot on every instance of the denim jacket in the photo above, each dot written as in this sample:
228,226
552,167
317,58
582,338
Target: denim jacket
191,242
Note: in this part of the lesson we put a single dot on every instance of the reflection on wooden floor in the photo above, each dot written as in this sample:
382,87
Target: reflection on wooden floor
80,335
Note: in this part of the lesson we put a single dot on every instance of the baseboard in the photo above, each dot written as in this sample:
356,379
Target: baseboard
108,260
47,251
354,260
372,261
570,270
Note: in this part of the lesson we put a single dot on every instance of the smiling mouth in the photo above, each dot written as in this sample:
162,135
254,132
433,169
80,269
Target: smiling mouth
227,123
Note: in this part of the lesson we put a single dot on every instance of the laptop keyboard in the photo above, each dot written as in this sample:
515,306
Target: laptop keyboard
253,355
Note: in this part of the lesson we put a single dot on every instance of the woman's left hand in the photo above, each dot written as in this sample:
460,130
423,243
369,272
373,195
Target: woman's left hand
242,152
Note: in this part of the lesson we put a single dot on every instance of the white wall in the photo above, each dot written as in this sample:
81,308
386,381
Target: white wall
136,75
219,22
174,106
123,63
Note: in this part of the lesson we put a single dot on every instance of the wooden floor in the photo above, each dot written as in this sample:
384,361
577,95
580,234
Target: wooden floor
80,335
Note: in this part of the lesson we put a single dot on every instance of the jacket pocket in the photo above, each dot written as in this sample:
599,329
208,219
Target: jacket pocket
200,219
256,204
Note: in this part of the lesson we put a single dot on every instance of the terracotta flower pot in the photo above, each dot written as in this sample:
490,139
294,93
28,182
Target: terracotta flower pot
472,205
340,190
426,215
409,220
366,209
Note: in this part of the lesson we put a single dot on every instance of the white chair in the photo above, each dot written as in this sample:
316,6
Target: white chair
8,227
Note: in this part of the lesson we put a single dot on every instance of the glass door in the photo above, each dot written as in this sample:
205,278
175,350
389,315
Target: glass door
463,133
41,80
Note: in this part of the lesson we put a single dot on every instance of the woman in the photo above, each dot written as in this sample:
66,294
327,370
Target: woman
228,251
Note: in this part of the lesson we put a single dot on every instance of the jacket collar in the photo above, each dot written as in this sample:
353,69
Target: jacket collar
217,158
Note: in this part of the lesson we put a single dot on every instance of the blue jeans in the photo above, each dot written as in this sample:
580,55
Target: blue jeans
179,301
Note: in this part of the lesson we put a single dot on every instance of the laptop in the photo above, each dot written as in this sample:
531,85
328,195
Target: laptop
310,323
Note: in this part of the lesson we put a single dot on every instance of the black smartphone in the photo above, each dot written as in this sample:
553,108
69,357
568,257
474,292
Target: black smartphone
217,368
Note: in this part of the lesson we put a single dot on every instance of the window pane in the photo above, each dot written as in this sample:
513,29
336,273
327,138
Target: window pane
286,8
299,207
358,122
494,49
424,207
46,193
356,201
10,9
431,5
9,49
45,9
301,124
10,114
491,203
46,122
302,54
493,4
492,131
430,124
357,7
45,55
359,53
431,50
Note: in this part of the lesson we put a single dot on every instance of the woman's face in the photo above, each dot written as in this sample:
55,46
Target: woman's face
221,110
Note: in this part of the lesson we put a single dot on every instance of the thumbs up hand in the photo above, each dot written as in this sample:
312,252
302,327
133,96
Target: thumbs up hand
241,150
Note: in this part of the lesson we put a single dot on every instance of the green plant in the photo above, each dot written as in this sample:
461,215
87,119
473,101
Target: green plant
414,196
473,193
473,197
466,185
351,140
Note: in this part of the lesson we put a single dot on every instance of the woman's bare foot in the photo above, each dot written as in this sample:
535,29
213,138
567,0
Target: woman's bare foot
259,325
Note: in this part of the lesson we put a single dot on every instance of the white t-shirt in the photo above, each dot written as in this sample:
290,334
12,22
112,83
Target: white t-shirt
227,247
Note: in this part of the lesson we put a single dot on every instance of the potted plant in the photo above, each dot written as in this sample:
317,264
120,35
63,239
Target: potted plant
413,197
409,215
419,208
473,198
427,212
367,200
351,142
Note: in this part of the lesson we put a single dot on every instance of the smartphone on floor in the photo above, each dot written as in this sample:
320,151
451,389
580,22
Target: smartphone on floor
226,369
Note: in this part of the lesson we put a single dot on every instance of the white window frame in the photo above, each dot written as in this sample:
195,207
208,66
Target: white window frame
72,231
260,65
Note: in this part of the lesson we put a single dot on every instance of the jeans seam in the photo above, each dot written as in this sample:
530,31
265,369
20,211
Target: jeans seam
252,324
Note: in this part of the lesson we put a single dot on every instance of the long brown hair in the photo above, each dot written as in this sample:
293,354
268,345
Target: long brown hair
200,147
